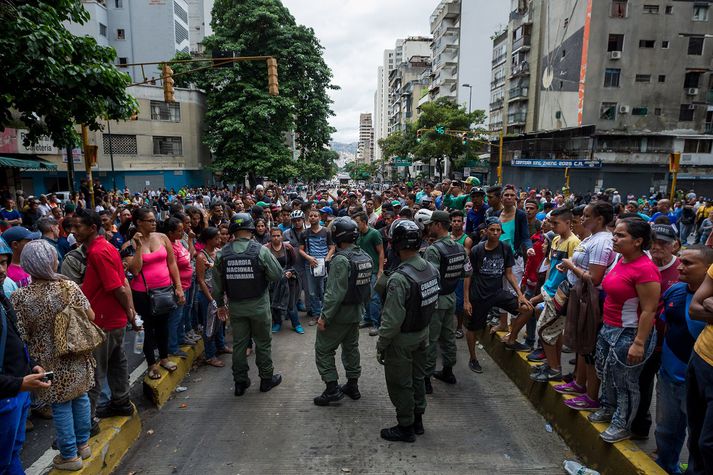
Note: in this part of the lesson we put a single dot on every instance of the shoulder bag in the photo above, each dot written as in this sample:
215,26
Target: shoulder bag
162,299
74,332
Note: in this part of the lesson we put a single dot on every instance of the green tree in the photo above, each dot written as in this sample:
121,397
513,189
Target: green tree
322,166
52,78
360,171
246,127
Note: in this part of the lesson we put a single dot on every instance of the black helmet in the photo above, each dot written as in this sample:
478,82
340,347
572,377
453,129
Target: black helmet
405,234
344,229
241,221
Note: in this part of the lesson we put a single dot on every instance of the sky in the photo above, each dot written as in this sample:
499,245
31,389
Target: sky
355,34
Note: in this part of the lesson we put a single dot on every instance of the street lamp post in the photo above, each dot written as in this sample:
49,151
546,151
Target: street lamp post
470,97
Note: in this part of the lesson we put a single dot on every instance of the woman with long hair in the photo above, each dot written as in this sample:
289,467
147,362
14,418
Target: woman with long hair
261,231
153,264
206,305
173,228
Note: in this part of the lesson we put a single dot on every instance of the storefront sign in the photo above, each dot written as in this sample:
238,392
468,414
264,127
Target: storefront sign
12,141
546,163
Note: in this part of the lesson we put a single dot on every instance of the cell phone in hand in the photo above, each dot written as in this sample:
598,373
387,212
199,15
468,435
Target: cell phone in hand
49,376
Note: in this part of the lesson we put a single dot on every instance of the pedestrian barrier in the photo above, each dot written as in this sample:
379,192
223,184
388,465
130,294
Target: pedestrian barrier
111,444
160,390
573,426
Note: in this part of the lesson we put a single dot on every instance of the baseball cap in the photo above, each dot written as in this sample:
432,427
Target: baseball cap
664,232
440,217
18,233
327,210
396,203
259,187
477,191
262,204
4,248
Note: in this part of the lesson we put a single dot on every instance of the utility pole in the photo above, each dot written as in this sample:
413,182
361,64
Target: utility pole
70,169
111,154
90,156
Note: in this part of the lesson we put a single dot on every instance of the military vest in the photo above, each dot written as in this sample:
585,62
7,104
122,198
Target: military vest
360,268
423,296
243,275
452,264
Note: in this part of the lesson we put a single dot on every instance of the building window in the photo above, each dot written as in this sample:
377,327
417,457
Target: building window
611,77
639,111
607,111
657,111
618,8
120,34
167,146
181,32
119,144
669,10
695,45
180,12
693,78
697,146
643,78
647,43
654,9
616,43
665,44
118,3
102,29
166,111
686,113
123,62
700,13
662,78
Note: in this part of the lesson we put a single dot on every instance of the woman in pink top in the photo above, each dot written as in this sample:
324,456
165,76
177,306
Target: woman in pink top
154,261
627,338
173,227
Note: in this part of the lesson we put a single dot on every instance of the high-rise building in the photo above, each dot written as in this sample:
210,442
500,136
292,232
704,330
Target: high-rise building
445,27
365,147
406,87
199,17
607,88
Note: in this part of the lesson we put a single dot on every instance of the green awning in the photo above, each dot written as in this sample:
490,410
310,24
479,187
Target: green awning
34,164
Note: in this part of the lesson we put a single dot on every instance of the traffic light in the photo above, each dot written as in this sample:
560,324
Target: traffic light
464,137
135,115
272,77
167,76
674,162
418,135
90,154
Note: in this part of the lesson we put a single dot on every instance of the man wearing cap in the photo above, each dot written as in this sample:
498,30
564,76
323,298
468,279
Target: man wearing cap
477,214
663,247
242,271
16,237
453,199
451,260
326,215
32,214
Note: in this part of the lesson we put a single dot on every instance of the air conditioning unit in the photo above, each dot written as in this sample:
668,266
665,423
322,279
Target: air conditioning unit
692,91
614,54
624,109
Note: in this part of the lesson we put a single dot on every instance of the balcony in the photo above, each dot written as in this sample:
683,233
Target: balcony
497,83
517,118
497,104
520,69
709,128
521,43
496,125
518,93
499,59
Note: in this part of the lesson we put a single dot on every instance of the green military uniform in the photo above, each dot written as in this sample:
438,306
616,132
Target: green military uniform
443,324
342,323
250,318
404,353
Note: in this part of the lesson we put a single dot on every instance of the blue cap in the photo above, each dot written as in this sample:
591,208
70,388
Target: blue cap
4,248
327,210
18,233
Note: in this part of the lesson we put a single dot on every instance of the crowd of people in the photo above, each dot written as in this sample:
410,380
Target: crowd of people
624,284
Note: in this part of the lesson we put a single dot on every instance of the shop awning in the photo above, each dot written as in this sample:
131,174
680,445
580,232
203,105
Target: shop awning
37,163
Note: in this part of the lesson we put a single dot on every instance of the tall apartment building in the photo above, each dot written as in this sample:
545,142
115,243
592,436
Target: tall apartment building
381,100
445,28
199,17
365,146
608,88
406,87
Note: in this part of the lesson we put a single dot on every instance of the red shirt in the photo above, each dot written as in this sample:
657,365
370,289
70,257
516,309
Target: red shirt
669,274
105,274
621,305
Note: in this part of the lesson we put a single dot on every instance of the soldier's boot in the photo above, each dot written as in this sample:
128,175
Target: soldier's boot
269,383
427,383
418,424
241,387
351,389
332,393
446,375
399,434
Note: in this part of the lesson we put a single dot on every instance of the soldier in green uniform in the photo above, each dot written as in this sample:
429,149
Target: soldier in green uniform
348,290
410,300
450,259
242,271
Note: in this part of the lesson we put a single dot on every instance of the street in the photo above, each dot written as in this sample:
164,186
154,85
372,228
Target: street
481,425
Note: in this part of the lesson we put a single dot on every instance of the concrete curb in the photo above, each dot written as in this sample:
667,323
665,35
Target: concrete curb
110,445
160,390
580,434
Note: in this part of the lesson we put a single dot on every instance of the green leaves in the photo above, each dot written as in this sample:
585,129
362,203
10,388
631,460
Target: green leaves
53,78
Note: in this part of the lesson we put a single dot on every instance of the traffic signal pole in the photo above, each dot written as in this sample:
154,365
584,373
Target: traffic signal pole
88,164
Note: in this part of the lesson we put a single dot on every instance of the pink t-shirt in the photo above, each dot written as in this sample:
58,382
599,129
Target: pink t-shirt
183,260
18,275
621,305
154,270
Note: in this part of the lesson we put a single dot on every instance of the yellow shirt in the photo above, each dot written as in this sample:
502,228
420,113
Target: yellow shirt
704,343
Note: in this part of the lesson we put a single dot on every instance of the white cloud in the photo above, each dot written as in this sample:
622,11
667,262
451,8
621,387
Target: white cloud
355,34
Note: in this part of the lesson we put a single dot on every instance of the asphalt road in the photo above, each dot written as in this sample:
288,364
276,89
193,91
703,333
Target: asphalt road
481,425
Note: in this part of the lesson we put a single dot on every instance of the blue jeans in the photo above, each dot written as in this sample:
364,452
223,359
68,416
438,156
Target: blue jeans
211,343
372,312
670,422
620,381
176,331
188,323
316,292
72,422
13,415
